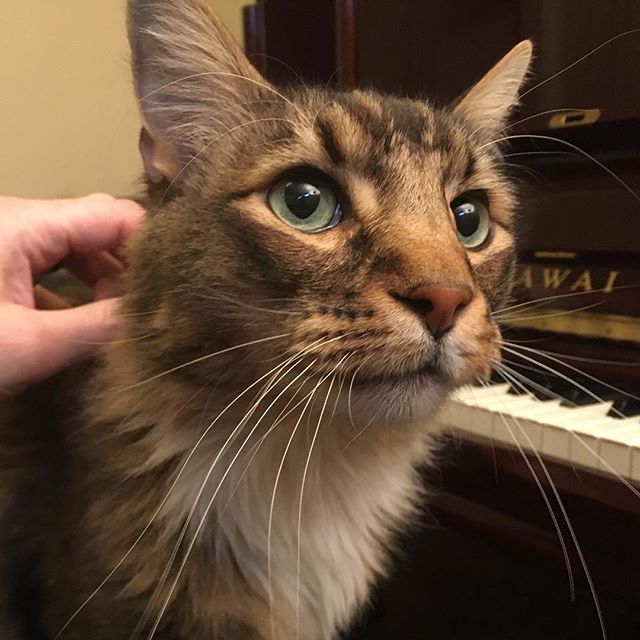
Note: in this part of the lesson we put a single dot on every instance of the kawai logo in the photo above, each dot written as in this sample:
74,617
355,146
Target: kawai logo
535,277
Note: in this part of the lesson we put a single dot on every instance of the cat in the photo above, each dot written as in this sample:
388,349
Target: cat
317,271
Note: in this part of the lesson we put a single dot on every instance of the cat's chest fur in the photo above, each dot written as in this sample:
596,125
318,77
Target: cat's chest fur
301,560
314,543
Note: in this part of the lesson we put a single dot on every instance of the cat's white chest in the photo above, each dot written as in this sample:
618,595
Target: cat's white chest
316,555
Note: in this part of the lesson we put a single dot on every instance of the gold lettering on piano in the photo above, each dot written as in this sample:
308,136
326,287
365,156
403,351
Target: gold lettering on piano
553,278
525,278
559,278
613,275
583,282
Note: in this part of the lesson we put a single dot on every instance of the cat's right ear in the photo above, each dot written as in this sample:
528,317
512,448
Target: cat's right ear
192,80
488,103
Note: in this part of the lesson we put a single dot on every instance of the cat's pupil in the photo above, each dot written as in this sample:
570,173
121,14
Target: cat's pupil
302,198
467,219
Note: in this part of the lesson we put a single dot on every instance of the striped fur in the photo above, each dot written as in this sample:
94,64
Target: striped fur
214,268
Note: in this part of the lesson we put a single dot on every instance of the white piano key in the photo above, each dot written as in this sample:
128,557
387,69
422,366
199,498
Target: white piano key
473,393
617,445
467,420
529,421
584,446
615,449
481,404
502,412
584,436
539,406
568,416
557,436
634,443
481,424
449,415
511,422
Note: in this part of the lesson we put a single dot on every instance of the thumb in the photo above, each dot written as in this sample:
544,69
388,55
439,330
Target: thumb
62,338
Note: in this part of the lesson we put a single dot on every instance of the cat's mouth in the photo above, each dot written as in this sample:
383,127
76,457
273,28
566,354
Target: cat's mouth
424,374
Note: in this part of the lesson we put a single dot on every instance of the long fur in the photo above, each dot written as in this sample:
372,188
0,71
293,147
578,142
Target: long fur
237,465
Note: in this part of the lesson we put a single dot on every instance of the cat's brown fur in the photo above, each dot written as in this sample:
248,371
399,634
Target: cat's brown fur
213,268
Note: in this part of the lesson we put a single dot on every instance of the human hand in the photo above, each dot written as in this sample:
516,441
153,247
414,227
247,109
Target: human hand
36,235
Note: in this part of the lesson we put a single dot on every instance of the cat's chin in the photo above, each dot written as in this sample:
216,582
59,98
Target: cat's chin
408,399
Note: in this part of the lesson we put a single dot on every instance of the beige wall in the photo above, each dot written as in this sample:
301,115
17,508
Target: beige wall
68,120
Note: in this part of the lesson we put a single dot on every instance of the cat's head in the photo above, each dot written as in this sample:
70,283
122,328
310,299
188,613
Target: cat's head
372,234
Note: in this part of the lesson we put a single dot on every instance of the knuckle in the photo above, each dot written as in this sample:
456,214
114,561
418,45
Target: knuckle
101,199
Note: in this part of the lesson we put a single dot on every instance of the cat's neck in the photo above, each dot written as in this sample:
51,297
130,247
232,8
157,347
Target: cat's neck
339,504
334,500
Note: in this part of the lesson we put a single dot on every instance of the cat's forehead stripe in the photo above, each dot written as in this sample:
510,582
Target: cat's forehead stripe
409,119
330,143
373,132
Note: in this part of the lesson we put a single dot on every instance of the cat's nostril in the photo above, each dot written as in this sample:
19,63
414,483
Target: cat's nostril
419,307
438,305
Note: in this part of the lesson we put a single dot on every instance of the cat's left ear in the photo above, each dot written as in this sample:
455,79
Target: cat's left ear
193,82
488,103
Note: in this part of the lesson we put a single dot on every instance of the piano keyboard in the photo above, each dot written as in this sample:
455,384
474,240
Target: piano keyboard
584,436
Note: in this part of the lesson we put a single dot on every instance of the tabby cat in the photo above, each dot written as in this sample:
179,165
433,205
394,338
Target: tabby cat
317,271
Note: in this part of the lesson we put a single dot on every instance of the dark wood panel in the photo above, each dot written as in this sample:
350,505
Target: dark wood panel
255,38
346,42
437,48
611,361
565,30
292,41
490,492
587,219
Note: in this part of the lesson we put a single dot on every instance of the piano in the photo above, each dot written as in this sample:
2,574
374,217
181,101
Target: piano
557,433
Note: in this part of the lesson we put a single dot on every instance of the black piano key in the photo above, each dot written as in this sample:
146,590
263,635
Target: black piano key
535,383
575,392
581,392
629,407
581,398
569,393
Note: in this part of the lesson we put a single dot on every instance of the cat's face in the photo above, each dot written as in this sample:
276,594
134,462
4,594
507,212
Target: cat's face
372,235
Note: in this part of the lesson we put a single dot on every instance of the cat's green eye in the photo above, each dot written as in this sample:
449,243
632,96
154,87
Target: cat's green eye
472,220
307,202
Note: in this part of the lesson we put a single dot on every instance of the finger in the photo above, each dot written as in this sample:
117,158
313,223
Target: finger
46,342
75,334
47,300
51,230
93,268
109,287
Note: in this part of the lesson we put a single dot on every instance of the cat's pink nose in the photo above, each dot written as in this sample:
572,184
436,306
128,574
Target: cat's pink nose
439,305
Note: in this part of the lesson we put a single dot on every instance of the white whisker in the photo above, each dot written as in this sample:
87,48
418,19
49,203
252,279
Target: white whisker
618,363
211,501
547,502
161,505
515,351
577,149
294,359
310,397
572,533
579,60
202,359
304,480
538,302
554,314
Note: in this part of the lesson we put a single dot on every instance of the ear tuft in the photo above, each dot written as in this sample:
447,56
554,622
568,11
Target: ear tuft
489,102
192,80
